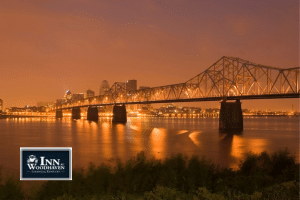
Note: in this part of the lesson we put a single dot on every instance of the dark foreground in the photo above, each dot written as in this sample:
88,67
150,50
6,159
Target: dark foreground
261,176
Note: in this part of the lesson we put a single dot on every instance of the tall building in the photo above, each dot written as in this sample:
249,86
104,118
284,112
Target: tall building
77,97
59,101
89,93
1,105
131,85
67,96
104,87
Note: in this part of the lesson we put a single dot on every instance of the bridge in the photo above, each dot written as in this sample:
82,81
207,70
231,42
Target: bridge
228,78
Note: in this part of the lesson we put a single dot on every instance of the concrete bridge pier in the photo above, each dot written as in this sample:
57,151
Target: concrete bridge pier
119,114
58,114
76,113
92,113
231,117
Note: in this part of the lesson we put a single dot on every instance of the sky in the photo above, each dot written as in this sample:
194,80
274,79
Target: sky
48,47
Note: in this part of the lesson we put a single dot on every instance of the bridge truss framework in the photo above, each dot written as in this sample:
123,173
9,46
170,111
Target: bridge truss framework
228,78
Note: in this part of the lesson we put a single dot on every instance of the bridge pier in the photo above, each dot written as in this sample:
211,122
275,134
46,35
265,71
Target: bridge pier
92,113
119,114
58,114
76,113
231,117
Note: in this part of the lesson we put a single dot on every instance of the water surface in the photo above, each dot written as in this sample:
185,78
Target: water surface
159,137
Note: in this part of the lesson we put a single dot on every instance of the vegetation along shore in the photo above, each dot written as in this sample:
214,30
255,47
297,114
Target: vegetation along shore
263,176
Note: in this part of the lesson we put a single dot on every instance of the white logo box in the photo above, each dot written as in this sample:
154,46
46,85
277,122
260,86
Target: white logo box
32,158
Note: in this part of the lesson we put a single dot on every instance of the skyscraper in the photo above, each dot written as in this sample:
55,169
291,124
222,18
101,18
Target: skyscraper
89,93
67,96
104,87
77,97
131,85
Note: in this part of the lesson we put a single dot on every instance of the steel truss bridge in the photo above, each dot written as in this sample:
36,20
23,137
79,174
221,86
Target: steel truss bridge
229,78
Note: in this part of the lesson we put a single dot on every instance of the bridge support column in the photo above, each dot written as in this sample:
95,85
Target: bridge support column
92,113
76,113
231,117
58,113
119,114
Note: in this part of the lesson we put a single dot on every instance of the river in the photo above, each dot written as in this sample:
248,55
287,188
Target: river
159,137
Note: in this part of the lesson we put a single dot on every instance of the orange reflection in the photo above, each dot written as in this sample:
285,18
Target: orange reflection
93,136
236,151
120,140
158,142
94,127
134,127
88,137
107,141
237,145
135,137
182,132
193,136
257,146
80,124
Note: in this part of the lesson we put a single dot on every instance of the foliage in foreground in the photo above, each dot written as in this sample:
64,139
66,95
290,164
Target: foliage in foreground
287,191
260,176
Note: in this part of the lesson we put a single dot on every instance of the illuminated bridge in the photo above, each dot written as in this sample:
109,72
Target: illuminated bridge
227,79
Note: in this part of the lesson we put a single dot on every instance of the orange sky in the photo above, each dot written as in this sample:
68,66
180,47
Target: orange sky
48,47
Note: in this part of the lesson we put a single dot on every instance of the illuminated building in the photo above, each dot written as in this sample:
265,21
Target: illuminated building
131,85
104,87
16,109
59,101
67,96
89,93
76,97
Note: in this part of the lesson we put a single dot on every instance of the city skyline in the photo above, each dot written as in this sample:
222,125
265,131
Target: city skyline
205,104
51,47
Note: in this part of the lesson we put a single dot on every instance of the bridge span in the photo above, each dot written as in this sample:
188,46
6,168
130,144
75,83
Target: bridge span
228,78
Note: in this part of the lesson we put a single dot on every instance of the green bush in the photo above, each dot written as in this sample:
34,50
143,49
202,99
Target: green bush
259,177
287,190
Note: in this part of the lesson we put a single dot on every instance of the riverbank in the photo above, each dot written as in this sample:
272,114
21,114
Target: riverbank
259,176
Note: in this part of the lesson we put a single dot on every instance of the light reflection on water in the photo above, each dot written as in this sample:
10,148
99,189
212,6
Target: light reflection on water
236,150
194,139
159,137
158,142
